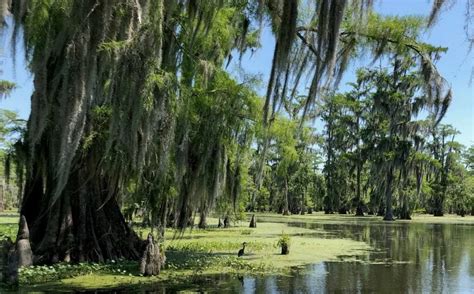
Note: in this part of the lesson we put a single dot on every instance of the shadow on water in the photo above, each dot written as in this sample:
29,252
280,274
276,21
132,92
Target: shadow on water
409,258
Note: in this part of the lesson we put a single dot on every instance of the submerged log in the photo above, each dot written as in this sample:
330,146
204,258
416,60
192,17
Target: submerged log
253,222
152,260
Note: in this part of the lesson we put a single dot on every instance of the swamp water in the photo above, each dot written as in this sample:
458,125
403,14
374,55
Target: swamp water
407,258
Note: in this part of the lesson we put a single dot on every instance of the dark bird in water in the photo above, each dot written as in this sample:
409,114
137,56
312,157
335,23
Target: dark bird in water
242,251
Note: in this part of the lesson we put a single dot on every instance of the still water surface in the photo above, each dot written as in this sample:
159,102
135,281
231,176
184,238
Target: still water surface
408,258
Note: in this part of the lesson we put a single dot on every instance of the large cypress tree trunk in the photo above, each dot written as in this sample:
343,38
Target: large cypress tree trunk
404,207
438,206
2,201
388,196
84,224
87,133
359,204
286,210
439,194
202,220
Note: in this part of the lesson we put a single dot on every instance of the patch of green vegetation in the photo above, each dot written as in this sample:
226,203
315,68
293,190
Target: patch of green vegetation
203,252
262,251
8,225
8,231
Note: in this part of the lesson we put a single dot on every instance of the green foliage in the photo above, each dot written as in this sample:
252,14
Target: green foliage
468,157
100,117
284,240
11,129
5,88
112,46
8,231
46,16
12,158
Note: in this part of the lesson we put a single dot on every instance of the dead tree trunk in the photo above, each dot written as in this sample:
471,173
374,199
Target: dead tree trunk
286,211
2,198
220,224
23,248
359,204
226,222
388,196
202,221
253,222
285,249
152,260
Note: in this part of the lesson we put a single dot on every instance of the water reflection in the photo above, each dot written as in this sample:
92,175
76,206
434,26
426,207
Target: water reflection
411,258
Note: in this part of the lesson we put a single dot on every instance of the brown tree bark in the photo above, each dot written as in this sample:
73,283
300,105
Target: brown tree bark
202,220
23,251
226,222
404,209
152,259
2,198
253,222
220,224
359,204
84,224
388,196
286,210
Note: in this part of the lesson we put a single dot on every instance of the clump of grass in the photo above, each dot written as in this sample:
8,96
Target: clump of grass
284,243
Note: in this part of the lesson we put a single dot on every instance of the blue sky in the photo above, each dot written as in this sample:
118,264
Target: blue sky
455,65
